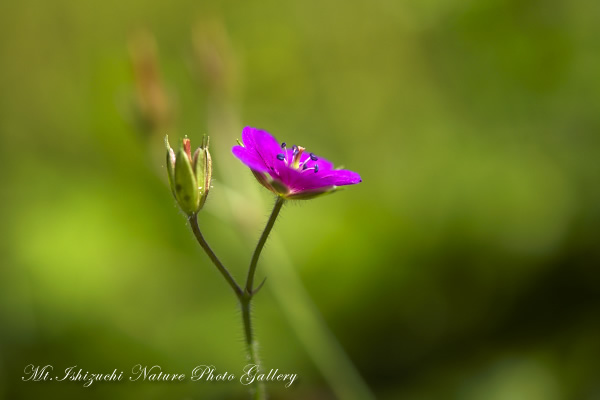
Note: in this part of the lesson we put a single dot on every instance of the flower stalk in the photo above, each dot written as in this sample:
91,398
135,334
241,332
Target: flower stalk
244,298
193,219
249,292
259,392
261,243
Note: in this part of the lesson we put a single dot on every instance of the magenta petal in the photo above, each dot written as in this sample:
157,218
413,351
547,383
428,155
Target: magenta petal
263,144
309,180
250,158
341,177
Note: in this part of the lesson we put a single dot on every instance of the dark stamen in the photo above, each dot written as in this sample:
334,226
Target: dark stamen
280,157
313,157
283,145
304,166
316,168
295,150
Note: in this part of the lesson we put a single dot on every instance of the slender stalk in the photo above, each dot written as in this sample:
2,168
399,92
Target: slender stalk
251,347
244,296
246,299
261,243
213,257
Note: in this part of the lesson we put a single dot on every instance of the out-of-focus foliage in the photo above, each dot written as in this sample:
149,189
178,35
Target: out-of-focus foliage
465,266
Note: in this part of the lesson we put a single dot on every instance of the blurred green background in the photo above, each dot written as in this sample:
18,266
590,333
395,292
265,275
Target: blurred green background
465,266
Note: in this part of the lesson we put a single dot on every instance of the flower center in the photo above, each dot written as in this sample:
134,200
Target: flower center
296,155
295,163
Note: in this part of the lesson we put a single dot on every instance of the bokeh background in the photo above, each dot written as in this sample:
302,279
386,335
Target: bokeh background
465,266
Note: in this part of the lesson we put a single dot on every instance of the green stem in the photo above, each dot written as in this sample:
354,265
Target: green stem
213,257
246,299
251,347
244,296
261,243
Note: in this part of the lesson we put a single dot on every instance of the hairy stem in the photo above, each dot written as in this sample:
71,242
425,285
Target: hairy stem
246,299
244,296
261,243
213,257
258,391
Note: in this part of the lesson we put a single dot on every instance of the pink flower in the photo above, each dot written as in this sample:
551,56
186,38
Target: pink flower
291,173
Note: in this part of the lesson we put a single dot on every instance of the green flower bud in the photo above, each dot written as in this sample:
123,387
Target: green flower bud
189,177
202,164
